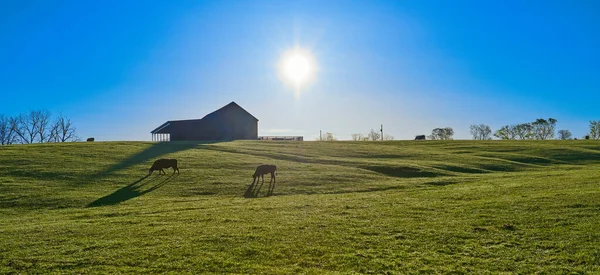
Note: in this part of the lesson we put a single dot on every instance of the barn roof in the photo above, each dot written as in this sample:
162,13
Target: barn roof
166,125
229,106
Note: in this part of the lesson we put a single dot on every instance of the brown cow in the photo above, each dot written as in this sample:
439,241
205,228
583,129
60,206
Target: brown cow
260,172
160,164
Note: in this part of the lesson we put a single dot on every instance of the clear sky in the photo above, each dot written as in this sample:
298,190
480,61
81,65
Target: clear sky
119,69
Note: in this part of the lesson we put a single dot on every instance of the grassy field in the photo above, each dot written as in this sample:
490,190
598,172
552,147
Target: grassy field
338,207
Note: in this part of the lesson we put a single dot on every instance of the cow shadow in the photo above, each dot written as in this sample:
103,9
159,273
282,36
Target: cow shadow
250,191
254,188
153,152
144,185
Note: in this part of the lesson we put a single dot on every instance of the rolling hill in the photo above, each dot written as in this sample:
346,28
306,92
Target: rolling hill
338,207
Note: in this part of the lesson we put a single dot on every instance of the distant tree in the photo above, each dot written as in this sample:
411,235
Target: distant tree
595,129
62,130
7,131
357,137
442,133
522,131
33,126
25,128
506,132
14,127
329,137
36,126
564,134
374,135
481,132
544,129
42,121
448,133
388,137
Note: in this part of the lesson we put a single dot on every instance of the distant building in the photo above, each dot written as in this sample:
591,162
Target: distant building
296,138
228,123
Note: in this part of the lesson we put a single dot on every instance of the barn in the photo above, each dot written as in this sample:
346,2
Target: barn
228,123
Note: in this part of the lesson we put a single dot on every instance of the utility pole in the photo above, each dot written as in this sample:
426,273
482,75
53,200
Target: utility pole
320,135
382,132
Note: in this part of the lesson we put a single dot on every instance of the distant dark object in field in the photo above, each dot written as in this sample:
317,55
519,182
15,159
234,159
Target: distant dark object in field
575,138
587,137
420,137
90,139
161,164
260,172
508,226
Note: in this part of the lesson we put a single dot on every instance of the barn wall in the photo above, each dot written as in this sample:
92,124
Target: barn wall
227,124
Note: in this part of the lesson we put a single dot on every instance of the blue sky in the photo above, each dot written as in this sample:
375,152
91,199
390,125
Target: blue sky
118,69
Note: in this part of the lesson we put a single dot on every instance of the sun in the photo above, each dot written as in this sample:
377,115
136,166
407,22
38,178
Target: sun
297,68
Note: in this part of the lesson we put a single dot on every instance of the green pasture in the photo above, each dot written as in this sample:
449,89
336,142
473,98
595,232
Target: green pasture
392,207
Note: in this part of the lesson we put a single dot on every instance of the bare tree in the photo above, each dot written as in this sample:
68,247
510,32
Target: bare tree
25,128
388,137
7,131
564,134
481,132
14,126
357,137
329,137
62,130
595,129
36,126
4,128
374,135
33,126
41,118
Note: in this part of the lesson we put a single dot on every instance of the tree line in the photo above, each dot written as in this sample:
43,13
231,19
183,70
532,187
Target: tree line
540,129
36,126
372,136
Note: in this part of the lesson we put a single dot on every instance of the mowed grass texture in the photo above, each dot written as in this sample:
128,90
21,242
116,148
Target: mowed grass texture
338,207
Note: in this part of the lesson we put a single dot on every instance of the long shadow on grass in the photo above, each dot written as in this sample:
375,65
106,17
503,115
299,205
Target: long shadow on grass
254,189
133,190
151,153
401,172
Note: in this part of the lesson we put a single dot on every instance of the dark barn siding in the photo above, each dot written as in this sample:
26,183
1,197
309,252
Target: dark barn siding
228,123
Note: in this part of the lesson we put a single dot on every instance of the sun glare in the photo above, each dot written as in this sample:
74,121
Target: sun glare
297,68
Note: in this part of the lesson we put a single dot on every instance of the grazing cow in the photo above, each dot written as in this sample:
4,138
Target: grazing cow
160,164
420,137
260,172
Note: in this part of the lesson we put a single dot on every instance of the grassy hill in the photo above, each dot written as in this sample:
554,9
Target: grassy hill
338,207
